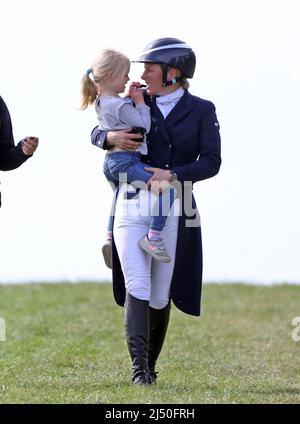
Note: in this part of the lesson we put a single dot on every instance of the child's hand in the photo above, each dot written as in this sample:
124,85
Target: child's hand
136,94
128,88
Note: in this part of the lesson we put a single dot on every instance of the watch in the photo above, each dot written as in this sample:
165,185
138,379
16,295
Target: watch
174,176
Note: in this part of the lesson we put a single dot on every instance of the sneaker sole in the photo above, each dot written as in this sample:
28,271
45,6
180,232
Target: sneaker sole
164,260
106,252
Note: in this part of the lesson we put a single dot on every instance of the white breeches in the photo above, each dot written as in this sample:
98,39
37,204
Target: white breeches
145,278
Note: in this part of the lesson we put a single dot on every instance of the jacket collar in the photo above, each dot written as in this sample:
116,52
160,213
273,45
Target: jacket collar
170,98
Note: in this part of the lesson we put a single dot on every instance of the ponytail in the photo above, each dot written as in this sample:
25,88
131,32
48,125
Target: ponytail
88,90
185,84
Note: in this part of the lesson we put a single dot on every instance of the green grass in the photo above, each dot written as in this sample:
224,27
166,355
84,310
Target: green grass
65,344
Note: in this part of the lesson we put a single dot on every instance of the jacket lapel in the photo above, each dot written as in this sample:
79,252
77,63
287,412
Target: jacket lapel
158,122
181,109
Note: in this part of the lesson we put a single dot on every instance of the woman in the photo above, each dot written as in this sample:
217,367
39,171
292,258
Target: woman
184,145
11,156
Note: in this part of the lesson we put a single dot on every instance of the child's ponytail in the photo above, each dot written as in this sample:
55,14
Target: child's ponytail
88,90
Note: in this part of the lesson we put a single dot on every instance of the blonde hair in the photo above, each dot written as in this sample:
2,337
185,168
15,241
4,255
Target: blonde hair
184,83
109,64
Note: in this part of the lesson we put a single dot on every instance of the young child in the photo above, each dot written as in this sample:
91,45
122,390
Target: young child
110,75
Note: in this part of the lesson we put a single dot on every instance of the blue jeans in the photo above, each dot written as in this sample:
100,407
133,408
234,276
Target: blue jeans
130,163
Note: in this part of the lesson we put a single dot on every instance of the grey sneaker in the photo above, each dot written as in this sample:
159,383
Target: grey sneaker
155,248
106,252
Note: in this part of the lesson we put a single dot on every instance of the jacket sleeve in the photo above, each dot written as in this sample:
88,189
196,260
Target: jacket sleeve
11,156
209,147
98,138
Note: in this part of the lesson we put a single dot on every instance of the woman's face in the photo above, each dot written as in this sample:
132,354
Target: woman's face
152,76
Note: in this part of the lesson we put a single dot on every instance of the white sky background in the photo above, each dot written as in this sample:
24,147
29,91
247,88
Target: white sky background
55,207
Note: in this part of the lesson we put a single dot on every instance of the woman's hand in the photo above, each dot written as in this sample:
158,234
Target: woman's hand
159,181
29,145
121,139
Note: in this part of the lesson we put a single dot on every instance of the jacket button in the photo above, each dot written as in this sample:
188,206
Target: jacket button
167,166
170,145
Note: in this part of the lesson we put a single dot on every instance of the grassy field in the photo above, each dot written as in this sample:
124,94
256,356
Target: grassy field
65,344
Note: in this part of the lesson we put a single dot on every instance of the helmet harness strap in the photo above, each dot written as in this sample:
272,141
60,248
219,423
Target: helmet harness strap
167,82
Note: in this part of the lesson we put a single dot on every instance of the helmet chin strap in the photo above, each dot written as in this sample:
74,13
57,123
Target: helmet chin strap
167,82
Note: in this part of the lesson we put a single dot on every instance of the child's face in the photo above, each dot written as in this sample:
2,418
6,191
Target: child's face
120,82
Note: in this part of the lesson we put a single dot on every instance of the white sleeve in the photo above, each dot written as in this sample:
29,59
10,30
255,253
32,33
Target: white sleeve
138,116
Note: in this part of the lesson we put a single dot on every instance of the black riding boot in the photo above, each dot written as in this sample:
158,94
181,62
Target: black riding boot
158,325
137,335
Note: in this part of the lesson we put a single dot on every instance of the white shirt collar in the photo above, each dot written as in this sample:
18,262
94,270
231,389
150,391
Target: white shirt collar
171,97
